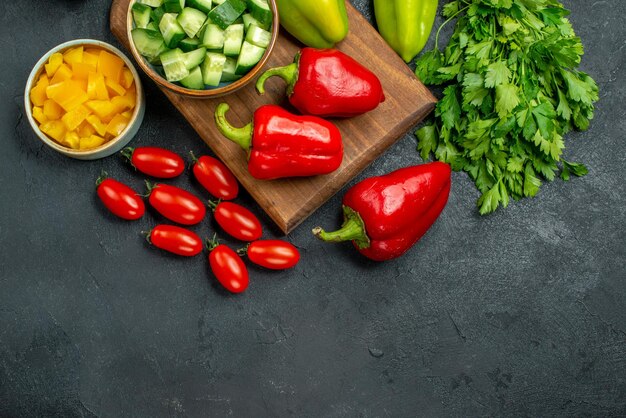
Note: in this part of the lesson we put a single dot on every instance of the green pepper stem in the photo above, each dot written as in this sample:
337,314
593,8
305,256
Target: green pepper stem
127,153
289,73
241,136
352,229
103,176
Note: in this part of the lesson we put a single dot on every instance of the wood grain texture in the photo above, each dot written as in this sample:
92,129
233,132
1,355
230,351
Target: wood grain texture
289,201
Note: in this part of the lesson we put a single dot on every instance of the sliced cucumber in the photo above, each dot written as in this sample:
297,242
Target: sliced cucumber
174,6
194,80
249,57
218,2
226,13
152,3
157,14
233,38
149,43
191,20
261,11
259,37
229,70
212,68
172,32
152,26
213,37
248,20
189,44
174,65
202,5
194,58
141,14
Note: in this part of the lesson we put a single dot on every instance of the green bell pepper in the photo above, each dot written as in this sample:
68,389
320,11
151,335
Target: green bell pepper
405,24
315,23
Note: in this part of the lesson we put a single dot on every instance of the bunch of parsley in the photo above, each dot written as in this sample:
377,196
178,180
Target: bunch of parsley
512,92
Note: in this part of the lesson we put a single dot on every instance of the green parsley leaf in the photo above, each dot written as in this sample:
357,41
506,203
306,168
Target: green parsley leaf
497,73
576,169
427,140
506,99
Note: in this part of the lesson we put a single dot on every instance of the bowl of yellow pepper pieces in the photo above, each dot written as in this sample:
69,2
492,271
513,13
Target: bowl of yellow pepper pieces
84,99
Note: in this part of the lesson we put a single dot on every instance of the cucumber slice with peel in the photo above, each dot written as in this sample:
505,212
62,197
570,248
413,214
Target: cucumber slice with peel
194,80
249,57
189,44
259,37
212,68
213,37
194,58
149,43
174,65
226,13
191,20
233,38
172,32
261,11
141,14
202,5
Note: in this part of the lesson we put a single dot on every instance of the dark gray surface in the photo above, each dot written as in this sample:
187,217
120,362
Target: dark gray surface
519,313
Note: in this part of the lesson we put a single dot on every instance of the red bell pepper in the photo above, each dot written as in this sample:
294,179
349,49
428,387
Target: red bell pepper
280,144
327,83
384,216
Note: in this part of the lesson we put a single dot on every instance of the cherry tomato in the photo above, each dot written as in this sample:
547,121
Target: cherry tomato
229,269
273,254
176,204
155,162
176,240
214,176
238,221
120,199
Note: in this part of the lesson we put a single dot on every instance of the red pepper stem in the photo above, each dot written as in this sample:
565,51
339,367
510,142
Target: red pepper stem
352,229
241,136
289,73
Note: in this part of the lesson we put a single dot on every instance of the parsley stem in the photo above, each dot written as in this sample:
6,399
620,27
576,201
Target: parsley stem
446,22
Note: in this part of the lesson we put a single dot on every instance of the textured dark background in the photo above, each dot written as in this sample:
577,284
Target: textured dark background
519,313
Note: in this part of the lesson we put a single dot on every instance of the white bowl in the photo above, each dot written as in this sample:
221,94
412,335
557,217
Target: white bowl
113,145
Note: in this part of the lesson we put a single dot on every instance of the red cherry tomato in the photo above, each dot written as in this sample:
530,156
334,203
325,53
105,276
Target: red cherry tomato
155,162
176,240
238,221
120,199
273,254
229,269
176,204
214,176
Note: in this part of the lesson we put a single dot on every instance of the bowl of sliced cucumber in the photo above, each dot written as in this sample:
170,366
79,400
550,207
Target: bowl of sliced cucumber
202,48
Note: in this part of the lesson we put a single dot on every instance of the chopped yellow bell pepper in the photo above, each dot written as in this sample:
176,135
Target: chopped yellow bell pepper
63,73
97,124
52,110
81,70
38,115
91,142
127,79
102,108
117,125
55,129
71,139
53,64
110,65
75,117
74,55
115,89
69,95
85,129
96,87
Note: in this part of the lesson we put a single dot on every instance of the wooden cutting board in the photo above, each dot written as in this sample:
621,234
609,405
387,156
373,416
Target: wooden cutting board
289,201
